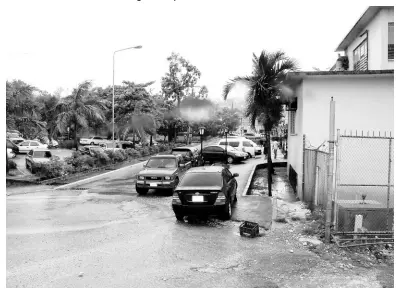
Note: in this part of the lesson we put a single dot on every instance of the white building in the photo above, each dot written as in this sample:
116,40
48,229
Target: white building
364,94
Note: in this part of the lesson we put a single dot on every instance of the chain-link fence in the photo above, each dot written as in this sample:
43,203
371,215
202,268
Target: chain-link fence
364,193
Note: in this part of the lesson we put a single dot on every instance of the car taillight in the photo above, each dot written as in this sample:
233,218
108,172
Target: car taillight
221,198
175,198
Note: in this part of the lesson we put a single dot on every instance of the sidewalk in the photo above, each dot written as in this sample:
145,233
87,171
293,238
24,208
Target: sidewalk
256,208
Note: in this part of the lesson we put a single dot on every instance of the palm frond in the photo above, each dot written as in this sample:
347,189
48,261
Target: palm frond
231,84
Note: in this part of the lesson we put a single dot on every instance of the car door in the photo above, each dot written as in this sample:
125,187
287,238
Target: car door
34,144
218,153
24,147
228,185
249,148
96,140
232,182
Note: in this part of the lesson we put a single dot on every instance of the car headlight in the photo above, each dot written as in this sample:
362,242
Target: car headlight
168,178
140,178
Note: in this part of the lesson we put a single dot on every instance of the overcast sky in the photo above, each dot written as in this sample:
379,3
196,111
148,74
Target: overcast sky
52,44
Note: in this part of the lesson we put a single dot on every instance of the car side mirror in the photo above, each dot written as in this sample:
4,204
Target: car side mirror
235,175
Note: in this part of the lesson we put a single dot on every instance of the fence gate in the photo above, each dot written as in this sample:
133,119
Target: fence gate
315,177
364,191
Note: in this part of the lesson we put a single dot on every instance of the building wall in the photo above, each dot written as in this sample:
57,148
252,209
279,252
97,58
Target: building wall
295,141
363,103
377,41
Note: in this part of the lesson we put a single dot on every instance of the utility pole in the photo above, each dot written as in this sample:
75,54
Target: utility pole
330,166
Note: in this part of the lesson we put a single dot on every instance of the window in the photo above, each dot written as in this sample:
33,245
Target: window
292,120
247,144
33,143
25,143
391,41
360,57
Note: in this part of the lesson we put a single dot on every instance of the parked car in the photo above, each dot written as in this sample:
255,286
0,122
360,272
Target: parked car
27,145
16,139
190,154
12,146
182,137
37,156
126,144
161,172
210,190
217,153
241,144
95,140
90,150
10,153
257,148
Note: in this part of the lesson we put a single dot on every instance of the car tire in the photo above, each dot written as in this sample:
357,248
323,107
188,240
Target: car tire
27,167
227,211
230,160
141,191
250,156
92,143
179,217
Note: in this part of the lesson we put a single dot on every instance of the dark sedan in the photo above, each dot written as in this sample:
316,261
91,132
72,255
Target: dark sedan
210,190
218,153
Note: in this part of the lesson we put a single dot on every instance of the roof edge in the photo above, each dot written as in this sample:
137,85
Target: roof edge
342,72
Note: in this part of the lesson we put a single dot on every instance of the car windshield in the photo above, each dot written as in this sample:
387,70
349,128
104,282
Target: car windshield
180,152
201,179
161,163
42,154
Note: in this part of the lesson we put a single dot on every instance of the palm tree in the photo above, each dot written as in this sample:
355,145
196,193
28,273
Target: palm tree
266,94
77,111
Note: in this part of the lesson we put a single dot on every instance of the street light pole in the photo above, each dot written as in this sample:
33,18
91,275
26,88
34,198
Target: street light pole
226,131
134,47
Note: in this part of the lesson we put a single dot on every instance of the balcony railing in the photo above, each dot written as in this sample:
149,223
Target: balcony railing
362,64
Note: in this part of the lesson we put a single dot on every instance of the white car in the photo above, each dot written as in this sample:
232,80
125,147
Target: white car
28,145
241,144
95,140
10,153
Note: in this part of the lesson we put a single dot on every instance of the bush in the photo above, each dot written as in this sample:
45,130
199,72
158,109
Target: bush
153,149
145,151
133,153
116,155
12,165
66,144
53,169
80,162
102,158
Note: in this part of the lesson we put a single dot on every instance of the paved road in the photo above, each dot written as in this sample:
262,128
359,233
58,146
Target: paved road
115,238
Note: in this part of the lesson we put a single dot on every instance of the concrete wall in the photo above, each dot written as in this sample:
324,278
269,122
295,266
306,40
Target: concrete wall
377,42
295,142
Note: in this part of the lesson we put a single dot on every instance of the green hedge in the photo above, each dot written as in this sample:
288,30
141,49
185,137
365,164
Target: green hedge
78,162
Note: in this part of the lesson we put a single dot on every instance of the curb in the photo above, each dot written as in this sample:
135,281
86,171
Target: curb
249,181
92,178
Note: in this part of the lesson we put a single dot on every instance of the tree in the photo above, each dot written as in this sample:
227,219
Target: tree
22,112
47,104
182,77
76,111
266,94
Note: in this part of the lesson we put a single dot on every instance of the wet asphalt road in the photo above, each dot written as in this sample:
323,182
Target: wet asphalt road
115,238
119,239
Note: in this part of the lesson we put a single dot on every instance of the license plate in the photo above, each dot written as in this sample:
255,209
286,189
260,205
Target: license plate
153,184
197,199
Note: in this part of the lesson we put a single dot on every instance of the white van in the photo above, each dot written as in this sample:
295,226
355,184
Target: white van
240,144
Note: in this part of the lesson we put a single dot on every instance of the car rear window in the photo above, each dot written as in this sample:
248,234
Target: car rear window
201,179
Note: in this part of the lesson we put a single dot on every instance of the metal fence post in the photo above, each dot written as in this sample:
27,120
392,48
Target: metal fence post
389,183
303,170
330,171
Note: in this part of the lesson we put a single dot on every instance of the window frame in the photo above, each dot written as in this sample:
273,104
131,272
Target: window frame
292,121
358,48
392,50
